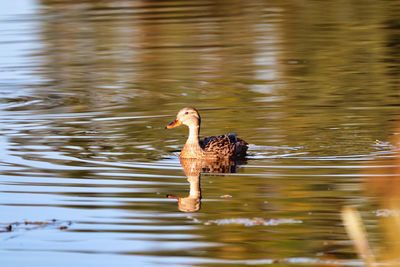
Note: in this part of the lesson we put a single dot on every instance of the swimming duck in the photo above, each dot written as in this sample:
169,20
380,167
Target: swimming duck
213,147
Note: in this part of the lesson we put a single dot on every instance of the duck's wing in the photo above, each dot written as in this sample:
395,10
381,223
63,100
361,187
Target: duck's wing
219,139
226,145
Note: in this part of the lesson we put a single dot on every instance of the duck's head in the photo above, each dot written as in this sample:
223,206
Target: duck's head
187,116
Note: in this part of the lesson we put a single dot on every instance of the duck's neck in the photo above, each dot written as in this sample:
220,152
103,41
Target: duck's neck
194,131
192,147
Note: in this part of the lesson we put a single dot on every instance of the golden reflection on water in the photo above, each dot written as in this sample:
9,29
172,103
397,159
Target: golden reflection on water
280,65
383,184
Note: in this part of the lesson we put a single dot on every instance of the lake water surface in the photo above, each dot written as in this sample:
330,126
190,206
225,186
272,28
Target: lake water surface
87,87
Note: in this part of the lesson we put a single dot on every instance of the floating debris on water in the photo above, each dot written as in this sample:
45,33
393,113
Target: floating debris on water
225,196
253,221
33,225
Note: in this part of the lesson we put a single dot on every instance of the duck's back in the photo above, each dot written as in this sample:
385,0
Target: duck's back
224,146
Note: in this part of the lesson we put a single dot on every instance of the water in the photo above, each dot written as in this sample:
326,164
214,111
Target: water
87,88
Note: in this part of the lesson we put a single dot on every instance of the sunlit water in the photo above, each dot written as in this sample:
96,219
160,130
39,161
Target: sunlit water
86,164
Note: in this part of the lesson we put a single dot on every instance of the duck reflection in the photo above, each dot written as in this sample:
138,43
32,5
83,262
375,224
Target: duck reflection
193,169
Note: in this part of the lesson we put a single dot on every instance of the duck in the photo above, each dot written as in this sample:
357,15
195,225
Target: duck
226,146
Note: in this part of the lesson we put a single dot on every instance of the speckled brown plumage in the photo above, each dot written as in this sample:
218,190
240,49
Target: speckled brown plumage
224,146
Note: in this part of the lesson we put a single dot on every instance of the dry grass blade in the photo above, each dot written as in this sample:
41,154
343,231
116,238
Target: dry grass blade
355,229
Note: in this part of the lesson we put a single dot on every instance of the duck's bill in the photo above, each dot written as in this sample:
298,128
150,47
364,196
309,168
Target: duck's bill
174,124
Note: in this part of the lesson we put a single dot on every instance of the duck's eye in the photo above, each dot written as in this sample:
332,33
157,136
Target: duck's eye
186,113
